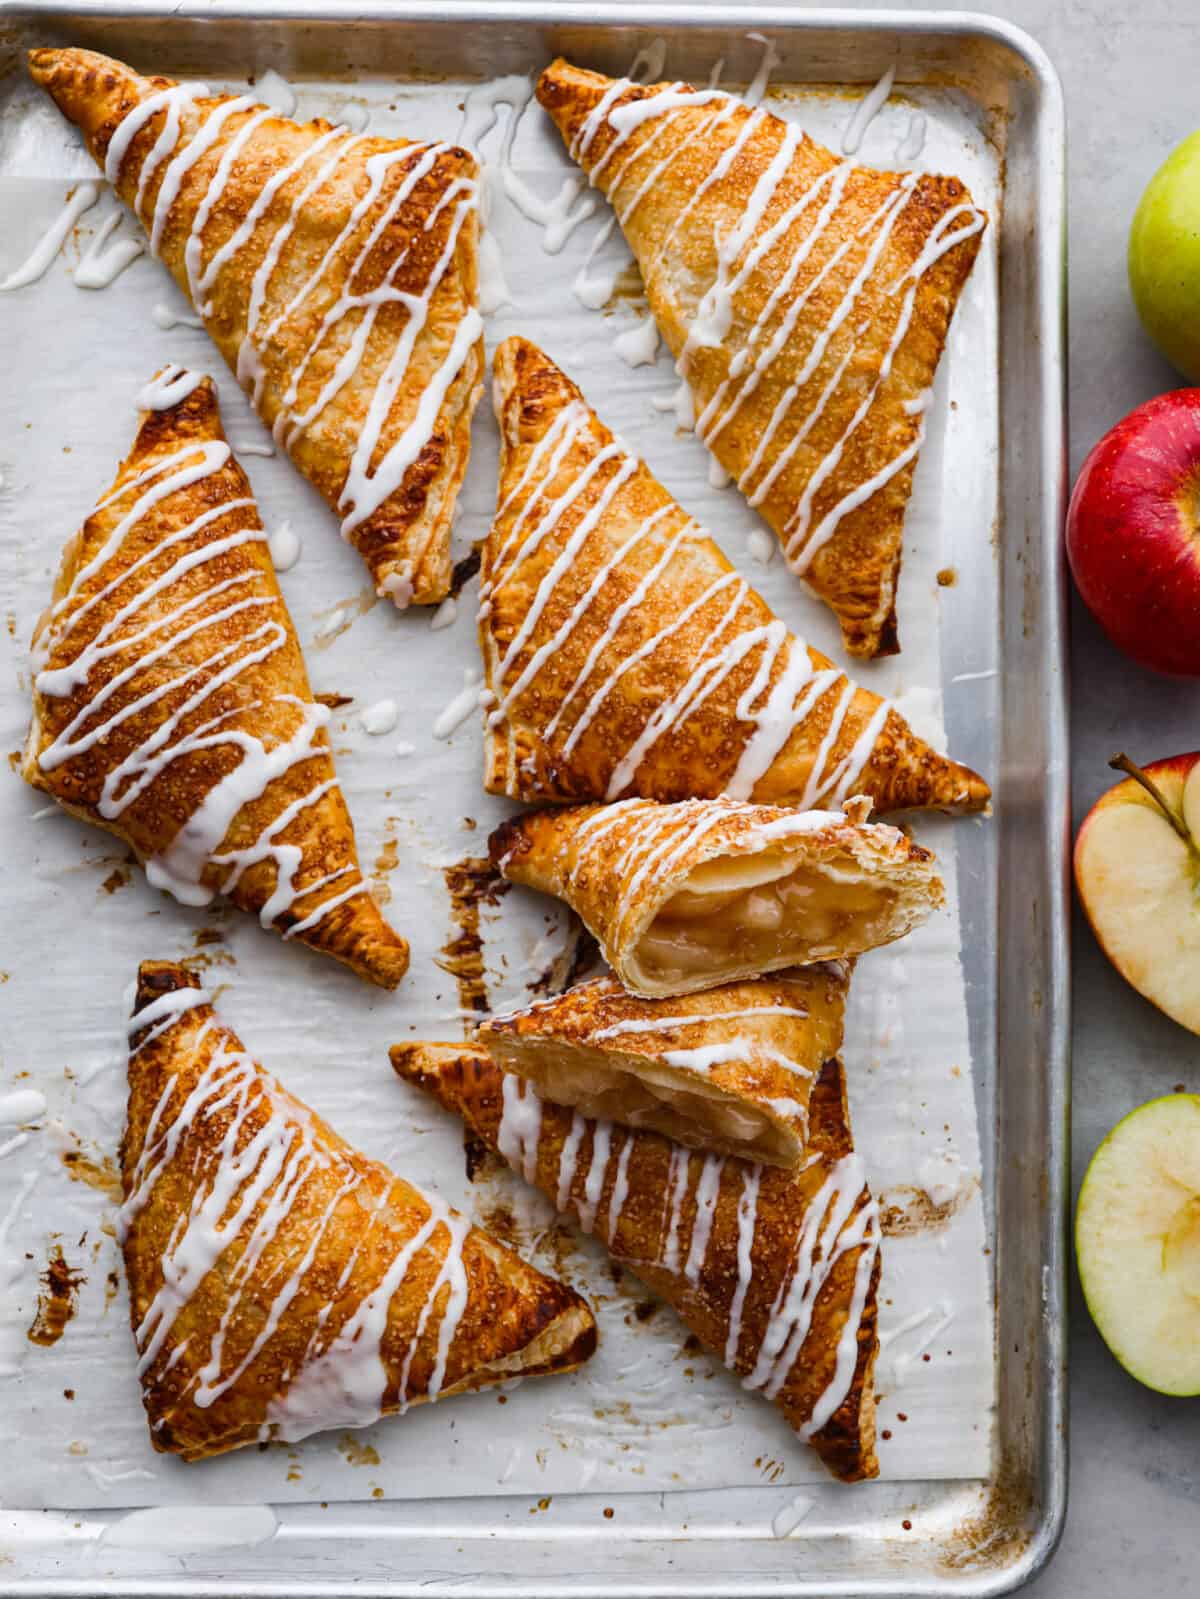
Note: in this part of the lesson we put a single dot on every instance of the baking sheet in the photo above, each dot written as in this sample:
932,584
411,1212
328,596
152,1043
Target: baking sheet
648,1413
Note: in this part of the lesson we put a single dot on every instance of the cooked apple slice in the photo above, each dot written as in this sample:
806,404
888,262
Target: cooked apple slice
1137,867
1137,1240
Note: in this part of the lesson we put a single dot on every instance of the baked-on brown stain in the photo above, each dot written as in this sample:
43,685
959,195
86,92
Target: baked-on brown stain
56,1301
98,1172
905,1210
471,882
947,577
118,878
386,861
334,702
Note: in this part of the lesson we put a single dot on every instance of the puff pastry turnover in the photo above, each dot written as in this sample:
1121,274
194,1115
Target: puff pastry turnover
280,1282
688,896
775,1272
729,1070
624,655
337,274
171,704
806,300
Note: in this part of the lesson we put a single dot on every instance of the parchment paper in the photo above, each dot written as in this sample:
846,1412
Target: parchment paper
649,1412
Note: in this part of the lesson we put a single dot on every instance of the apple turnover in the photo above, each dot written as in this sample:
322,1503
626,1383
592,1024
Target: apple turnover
337,275
729,1070
685,897
775,1272
281,1283
625,656
170,701
806,300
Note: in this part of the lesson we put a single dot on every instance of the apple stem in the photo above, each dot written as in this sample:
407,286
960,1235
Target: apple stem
1122,763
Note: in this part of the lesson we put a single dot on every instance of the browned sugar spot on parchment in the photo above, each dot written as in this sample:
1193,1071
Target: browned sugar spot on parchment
463,572
906,1210
386,862
57,1298
119,877
471,883
356,1453
15,757
947,577
97,1171
334,702
209,949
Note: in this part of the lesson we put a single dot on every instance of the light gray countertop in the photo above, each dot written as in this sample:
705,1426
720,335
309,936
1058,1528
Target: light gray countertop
1129,71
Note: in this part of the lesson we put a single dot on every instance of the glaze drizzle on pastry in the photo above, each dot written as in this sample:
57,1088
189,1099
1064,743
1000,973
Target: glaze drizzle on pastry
337,274
281,1283
805,298
775,1271
171,704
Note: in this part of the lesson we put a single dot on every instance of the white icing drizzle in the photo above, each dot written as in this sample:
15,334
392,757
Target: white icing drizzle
747,1221
708,1190
464,704
663,1024
284,545
164,317
139,647
380,718
370,481
913,142
785,688
173,384
834,1223
100,266
520,1127
248,1183
866,111
740,252
81,199
277,92
21,1106
445,615
638,344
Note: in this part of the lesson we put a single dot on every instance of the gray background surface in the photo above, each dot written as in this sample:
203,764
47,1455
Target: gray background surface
1130,70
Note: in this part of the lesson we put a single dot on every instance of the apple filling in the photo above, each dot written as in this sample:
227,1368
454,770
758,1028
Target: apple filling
637,1092
761,913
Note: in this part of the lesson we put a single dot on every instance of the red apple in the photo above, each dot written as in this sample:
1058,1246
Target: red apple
1133,533
1137,868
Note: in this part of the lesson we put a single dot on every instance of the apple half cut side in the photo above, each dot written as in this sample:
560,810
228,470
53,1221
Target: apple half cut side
1137,868
1137,1243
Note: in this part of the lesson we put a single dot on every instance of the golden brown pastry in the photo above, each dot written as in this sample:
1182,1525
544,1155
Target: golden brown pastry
171,704
624,655
775,1272
337,274
688,896
281,1283
806,300
730,1070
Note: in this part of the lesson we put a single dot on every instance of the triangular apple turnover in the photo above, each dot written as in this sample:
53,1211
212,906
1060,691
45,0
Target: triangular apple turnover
806,300
171,704
685,897
776,1272
729,1070
337,274
281,1283
624,655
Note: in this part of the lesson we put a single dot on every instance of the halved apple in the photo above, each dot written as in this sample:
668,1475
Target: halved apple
1137,867
1137,1242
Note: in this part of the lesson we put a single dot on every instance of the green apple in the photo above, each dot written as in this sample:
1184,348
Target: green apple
1137,1241
1164,258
